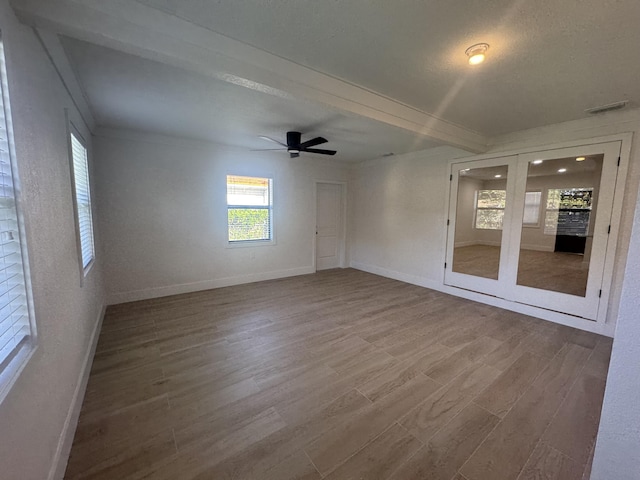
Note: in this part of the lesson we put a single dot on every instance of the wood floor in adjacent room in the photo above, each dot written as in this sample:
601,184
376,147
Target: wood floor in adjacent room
337,375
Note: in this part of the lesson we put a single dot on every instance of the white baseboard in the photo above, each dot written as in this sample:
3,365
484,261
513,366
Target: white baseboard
538,248
468,243
474,243
71,422
403,277
556,317
157,292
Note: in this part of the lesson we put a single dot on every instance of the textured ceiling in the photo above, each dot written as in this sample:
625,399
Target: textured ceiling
372,76
549,60
131,92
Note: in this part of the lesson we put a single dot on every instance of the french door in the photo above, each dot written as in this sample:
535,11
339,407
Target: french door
534,228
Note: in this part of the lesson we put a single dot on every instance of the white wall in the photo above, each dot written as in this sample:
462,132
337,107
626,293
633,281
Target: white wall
34,413
398,215
164,217
465,232
618,444
398,203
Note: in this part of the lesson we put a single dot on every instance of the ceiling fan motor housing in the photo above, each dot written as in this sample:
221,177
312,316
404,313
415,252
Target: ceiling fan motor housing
294,139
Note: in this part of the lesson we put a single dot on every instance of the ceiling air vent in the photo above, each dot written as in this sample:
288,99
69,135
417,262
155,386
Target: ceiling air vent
607,108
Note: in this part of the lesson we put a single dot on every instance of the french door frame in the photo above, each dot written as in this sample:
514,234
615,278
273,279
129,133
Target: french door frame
559,305
471,282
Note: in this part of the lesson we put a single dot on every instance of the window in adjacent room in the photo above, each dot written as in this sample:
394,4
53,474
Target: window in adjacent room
82,197
567,206
531,216
490,206
249,209
17,331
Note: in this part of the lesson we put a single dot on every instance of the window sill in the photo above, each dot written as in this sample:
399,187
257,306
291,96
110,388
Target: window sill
10,374
250,243
84,271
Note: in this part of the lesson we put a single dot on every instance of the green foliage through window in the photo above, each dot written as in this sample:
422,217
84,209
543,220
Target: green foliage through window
490,206
249,208
249,224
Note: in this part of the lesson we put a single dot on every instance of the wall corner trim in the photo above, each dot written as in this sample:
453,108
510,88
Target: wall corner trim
65,441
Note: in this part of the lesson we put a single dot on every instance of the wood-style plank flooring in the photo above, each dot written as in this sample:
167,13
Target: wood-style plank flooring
554,271
337,375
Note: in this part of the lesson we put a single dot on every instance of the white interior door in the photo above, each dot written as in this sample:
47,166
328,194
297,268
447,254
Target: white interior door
329,234
558,257
477,244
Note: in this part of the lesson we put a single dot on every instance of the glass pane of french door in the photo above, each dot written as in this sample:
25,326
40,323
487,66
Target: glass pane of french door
564,202
480,208
561,205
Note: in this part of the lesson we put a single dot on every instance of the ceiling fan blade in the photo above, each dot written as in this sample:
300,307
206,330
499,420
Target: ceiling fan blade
272,140
320,151
313,142
267,149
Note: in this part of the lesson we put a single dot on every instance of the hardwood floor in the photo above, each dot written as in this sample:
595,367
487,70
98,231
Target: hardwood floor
337,375
554,271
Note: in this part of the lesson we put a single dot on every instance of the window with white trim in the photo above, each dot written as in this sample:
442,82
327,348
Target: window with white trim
82,195
16,327
531,215
490,206
249,209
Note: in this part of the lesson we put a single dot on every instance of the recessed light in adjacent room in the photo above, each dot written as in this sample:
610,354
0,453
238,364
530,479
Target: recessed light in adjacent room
498,176
580,159
477,53
562,170
537,162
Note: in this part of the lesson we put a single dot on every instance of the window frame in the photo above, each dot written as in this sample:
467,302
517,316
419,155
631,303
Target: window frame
537,223
477,208
269,207
73,131
12,365
556,210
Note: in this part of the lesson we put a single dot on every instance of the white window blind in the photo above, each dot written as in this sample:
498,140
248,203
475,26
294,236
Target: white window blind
531,214
15,327
249,209
83,200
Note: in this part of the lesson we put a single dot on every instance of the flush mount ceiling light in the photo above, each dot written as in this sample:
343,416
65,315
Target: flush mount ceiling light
562,170
537,162
580,159
477,53
498,176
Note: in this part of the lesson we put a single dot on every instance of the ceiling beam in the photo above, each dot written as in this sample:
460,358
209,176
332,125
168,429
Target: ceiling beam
134,28
54,49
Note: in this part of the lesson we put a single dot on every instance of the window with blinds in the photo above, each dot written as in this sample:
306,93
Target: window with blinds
531,216
83,201
15,324
249,209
